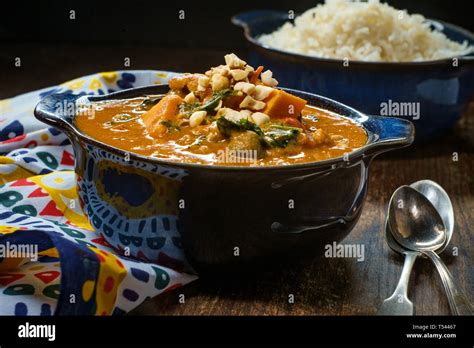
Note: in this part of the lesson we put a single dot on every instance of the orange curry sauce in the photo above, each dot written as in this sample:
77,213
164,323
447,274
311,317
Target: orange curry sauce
191,145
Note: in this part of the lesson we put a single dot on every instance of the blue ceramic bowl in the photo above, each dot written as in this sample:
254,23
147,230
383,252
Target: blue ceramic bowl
225,218
441,89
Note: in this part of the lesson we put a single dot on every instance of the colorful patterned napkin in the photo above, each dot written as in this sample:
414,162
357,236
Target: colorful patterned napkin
51,260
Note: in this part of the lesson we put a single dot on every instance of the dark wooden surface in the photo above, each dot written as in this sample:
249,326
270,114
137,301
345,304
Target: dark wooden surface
326,286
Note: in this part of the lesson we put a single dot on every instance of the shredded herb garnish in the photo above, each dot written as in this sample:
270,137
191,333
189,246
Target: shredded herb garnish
226,126
149,101
171,127
187,109
212,103
280,136
274,135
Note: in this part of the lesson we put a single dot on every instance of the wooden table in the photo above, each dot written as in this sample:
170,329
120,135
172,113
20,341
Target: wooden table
326,286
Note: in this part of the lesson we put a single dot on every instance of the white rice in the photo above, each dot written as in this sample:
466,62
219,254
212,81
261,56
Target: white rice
364,31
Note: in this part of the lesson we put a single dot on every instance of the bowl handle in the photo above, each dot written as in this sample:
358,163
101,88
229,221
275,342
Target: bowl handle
246,19
389,133
58,110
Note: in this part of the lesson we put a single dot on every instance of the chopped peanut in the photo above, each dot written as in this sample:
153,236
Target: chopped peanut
245,87
234,62
252,104
190,98
262,92
219,82
231,114
197,118
260,118
239,74
267,78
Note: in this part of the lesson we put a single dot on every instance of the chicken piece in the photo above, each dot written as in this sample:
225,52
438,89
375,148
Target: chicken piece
178,82
247,145
314,139
185,83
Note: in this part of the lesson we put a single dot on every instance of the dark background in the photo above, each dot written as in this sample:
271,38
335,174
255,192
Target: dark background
156,22
54,48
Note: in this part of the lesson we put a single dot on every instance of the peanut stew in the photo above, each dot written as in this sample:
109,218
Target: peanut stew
231,115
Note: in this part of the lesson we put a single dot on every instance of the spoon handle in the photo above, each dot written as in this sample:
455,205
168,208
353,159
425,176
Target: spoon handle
399,303
458,302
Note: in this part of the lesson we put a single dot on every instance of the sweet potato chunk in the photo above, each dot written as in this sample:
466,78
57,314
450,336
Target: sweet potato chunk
165,110
282,105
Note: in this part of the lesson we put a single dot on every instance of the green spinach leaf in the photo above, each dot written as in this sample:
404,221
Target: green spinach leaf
171,127
280,136
212,103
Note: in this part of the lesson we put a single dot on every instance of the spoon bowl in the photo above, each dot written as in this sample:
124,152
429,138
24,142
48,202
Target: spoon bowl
414,221
441,201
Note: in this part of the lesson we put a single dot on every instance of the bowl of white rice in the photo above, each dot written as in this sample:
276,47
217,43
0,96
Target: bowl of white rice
371,56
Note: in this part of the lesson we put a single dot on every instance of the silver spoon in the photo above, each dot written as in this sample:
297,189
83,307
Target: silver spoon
399,303
416,225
